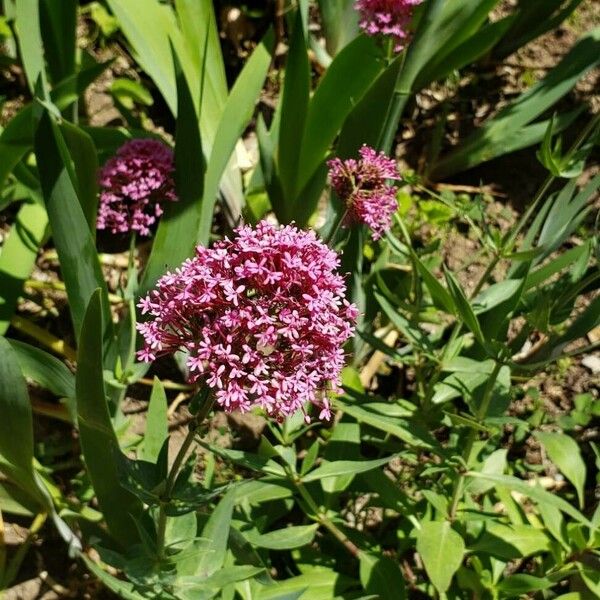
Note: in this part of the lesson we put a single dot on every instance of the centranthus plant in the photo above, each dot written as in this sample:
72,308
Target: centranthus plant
217,439
362,186
387,18
134,184
262,318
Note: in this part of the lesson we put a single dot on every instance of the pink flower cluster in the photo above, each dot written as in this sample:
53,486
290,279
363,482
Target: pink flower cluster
133,185
387,18
262,316
361,185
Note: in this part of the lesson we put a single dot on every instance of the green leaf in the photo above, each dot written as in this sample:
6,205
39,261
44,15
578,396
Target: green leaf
411,331
248,460
565,453
344,467
72,236
294,110
318,584
18,256
439,294
58,21
463,307
85,160
442,550
45,369
534,492
512,127
31,48
16,459
283,539
215,535
98,440
177,232
381,576
522,583
345,82
237,112
511,542
404,430
157,423
124,589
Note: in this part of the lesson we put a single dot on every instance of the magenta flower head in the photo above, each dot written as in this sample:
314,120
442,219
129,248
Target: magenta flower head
362,186
134,184
389,18
263,318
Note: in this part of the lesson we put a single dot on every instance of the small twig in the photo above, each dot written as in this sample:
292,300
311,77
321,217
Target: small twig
43,337
469,189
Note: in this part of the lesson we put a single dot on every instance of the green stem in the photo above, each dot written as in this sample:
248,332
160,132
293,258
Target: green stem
13,567
206,402
331,237
321,518
480,414
512,235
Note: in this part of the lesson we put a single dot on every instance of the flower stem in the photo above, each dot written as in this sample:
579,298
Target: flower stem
331,237
472,438
206,401
323,520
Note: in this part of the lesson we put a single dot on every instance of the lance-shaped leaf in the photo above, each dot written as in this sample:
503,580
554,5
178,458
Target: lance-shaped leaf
70,230
16,425
98,440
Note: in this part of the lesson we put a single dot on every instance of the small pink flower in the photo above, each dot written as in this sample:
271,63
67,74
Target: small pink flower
263,318
133,185
362,186
388,18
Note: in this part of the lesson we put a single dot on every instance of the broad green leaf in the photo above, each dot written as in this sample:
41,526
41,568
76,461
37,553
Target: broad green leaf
522,583
565,453
18,255
442,550
340,23
344,467
318,584
258,491
248,460
381,575
58,22
29,37
400,428
16,459
72,236
535,492
283,539
512,542
199,588
347,79
45,369
98,440
177,232
157,423
237,112
294,110
215,535
85,161
495,464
